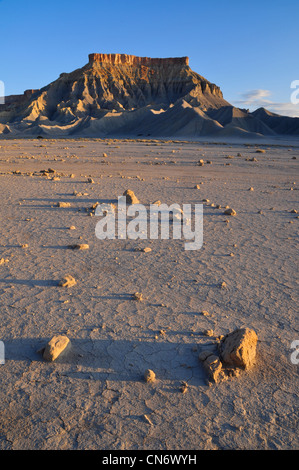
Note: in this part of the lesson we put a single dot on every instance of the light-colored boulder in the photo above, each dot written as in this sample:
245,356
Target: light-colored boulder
55,347
238,348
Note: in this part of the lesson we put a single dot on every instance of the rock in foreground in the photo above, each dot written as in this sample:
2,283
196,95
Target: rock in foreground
55,347
238,348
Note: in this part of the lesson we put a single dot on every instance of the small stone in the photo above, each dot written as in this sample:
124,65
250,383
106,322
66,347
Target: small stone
138,296
130,197
90,180
67,281
72,227
213,367
55,347
197,186
63,204
3,260
208,332
147,249
80,246
230,212
183,387
149,376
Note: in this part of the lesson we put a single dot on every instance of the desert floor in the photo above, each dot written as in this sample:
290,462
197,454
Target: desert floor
95,397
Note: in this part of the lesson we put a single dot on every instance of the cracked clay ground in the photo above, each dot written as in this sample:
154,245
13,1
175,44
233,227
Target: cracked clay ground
96,397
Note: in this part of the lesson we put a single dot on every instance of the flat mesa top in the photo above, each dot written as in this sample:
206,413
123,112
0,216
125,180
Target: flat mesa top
126,59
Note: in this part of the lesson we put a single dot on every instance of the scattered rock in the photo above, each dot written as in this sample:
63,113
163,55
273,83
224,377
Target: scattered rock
147,249
67,281
238,348
138,296
208,332
260,151
183,387
55,347
3,261
80,246
63,204
212,366
205,313
230,212
149,376
130,197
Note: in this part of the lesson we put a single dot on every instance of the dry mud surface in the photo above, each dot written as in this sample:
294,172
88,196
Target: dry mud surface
95,397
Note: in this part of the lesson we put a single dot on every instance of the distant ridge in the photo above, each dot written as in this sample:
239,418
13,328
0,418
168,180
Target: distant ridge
122,94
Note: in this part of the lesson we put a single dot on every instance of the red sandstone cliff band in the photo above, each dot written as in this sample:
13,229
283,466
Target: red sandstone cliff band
126,59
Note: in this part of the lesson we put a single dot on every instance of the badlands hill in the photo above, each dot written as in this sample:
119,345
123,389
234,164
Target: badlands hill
125,95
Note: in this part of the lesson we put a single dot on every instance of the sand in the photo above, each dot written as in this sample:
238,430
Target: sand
95,396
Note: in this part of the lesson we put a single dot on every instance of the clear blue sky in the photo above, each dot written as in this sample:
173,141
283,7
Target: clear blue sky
249,49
